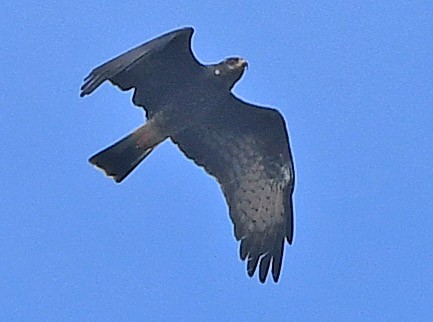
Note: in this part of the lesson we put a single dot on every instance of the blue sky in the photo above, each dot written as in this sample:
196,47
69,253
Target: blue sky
354,82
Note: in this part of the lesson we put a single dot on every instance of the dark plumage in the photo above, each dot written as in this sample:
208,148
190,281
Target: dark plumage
245,147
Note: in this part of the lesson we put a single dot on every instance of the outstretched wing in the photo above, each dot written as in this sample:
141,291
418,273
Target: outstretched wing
247,149
151,68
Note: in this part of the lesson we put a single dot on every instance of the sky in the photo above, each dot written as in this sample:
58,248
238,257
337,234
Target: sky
353,80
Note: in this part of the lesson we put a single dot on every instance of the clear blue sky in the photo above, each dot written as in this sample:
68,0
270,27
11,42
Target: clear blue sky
354,80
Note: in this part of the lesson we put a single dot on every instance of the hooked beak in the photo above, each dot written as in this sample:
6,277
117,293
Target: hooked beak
242,63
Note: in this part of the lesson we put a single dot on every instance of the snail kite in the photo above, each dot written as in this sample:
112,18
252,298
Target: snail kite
244,146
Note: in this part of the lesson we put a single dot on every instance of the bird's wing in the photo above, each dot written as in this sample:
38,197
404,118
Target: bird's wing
149,67
247,149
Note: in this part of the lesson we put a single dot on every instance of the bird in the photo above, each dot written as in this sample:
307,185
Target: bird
245,147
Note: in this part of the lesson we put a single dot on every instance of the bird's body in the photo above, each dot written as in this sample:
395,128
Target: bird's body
245,147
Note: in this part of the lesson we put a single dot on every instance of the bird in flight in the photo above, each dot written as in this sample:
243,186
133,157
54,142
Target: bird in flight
244,146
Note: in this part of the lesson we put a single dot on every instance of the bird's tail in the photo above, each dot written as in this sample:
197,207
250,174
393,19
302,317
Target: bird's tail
119,159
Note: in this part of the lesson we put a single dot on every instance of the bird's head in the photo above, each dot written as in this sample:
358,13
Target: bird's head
230,70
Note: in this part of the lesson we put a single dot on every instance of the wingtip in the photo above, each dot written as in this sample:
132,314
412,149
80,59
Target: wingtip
290,233
187,32
275,278
188,28
289,239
